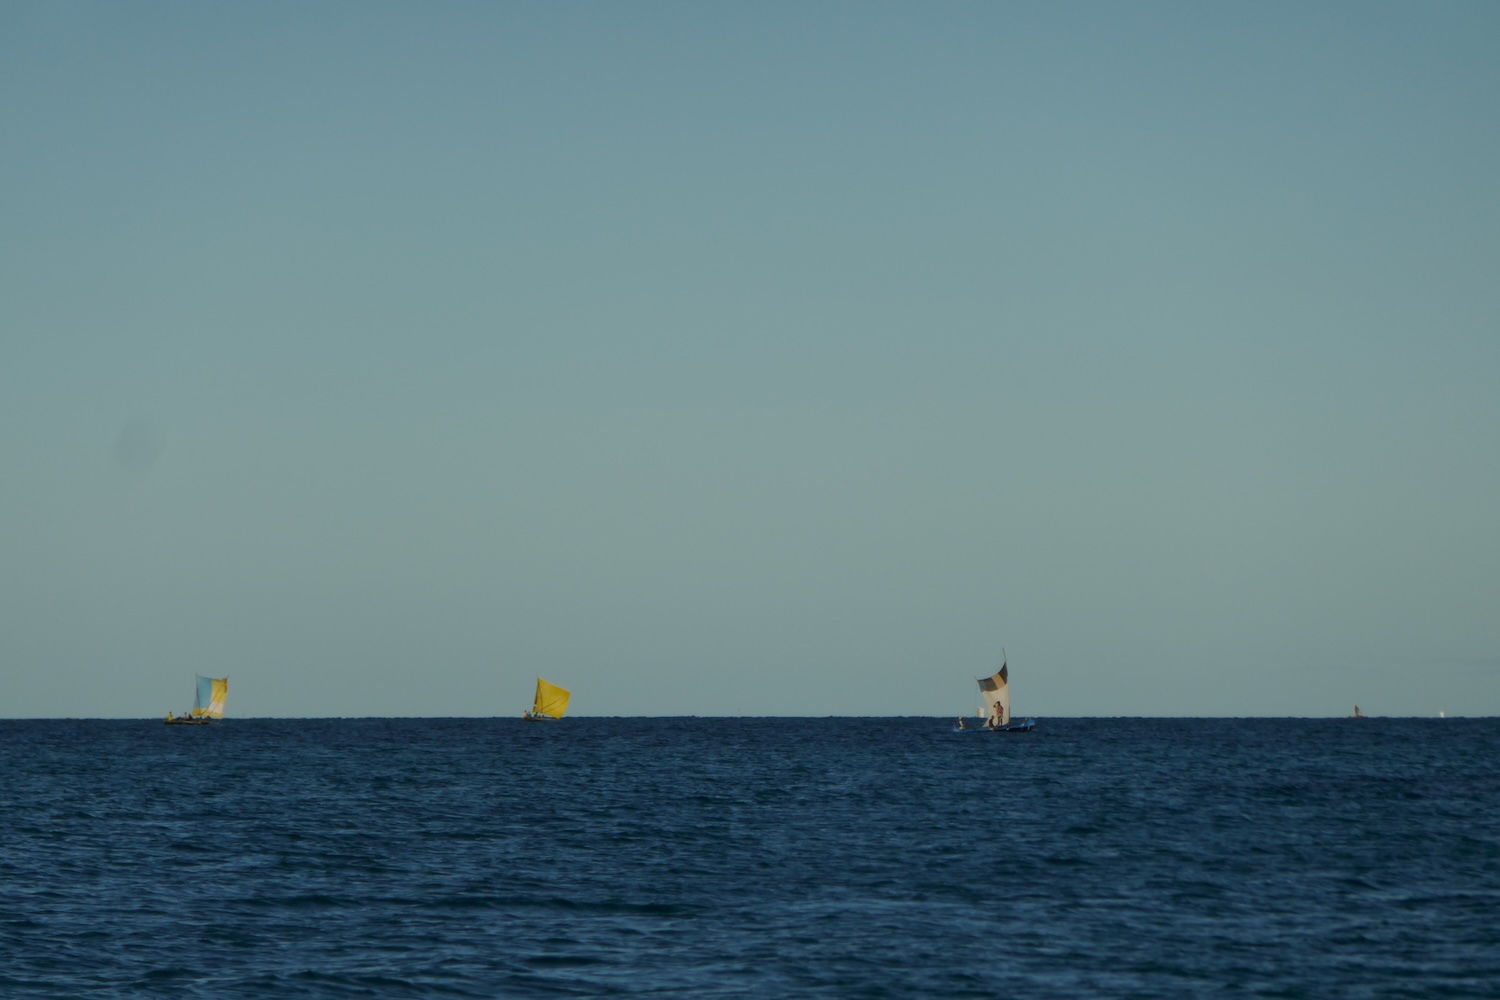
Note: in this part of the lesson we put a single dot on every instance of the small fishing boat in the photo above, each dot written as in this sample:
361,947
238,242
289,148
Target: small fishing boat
549,704
208,703
994,712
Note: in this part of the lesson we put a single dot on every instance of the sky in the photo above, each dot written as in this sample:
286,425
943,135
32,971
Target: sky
750,359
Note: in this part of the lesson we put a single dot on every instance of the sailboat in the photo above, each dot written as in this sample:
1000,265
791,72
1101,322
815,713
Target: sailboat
550,703
208,703
994,713
1357,713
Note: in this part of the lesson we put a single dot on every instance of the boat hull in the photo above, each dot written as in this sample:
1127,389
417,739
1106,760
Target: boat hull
1015,727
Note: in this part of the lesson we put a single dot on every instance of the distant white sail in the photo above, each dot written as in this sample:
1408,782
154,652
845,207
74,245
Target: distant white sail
995,690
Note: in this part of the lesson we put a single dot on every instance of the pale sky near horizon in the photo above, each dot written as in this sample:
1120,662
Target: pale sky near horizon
763,359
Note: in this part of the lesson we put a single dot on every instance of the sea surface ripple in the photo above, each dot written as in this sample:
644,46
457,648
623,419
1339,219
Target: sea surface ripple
698,857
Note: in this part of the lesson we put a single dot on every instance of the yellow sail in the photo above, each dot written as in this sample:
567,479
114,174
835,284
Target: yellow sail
551,700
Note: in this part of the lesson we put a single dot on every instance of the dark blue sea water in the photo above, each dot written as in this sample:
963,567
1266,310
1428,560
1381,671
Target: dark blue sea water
750,858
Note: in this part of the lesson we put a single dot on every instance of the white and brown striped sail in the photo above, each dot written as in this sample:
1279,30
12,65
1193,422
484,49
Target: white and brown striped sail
995,689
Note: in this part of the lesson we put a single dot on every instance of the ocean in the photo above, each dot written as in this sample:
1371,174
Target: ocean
750,857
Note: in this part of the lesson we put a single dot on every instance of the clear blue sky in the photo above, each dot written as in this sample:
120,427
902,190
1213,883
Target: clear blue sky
769,358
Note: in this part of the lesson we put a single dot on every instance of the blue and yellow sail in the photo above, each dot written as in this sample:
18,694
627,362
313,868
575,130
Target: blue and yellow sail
209,700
